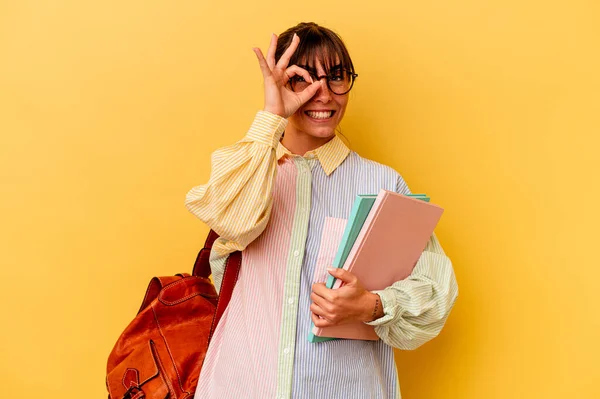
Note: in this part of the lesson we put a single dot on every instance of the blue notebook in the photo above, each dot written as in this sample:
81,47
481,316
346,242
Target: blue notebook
360,210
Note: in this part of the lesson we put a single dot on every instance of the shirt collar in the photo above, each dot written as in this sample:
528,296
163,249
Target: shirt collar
330,155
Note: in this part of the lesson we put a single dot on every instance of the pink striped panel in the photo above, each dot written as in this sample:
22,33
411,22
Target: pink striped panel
237,350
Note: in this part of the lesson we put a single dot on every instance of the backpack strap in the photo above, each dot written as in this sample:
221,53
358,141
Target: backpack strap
202,264
230,275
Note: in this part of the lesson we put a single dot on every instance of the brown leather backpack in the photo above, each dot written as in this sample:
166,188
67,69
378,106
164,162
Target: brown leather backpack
160,353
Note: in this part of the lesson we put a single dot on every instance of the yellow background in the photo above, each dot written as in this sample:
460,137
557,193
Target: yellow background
109,111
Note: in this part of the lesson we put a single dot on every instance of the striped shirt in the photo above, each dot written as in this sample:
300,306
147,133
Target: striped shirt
282,211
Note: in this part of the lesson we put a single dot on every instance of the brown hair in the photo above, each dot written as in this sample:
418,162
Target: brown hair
316,42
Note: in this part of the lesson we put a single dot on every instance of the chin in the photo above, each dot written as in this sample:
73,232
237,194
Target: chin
321,133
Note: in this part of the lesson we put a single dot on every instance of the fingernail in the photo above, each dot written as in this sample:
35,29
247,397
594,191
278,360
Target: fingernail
330,269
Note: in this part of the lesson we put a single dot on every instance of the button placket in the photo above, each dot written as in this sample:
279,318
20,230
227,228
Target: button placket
292,280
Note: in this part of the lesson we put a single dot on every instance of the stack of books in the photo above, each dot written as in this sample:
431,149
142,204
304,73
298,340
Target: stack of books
382,242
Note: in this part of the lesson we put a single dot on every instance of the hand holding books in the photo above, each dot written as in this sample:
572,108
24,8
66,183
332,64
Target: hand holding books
383,240
350,303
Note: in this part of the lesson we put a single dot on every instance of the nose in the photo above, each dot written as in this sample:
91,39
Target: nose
323,94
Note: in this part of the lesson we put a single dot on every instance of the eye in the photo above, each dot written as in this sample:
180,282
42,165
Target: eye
298,79
338,76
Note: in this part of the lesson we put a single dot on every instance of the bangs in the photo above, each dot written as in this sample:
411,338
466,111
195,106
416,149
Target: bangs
317,45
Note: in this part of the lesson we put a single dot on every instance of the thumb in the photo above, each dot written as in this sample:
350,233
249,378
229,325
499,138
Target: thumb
342,274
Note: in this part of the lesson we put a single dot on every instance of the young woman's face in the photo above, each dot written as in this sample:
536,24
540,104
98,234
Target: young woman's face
321,114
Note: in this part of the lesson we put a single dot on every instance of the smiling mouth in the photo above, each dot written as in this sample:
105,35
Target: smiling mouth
320,114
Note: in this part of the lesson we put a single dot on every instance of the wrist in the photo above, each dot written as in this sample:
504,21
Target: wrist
375,309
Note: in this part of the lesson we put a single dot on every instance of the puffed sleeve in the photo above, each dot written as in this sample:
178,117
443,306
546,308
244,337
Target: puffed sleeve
236,202
416,308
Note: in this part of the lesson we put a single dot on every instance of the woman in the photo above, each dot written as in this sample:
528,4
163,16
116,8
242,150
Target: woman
275,199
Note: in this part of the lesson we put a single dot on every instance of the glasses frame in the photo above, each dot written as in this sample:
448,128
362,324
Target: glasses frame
352,75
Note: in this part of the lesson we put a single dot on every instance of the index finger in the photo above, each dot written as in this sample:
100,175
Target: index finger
321,290
287,55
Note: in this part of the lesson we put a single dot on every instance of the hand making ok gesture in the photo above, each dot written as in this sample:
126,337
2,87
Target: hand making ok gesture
279,99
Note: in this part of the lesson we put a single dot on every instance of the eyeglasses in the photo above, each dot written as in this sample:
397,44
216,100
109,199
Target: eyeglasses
339,81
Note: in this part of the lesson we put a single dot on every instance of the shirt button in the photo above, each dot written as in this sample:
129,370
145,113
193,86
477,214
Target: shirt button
286,351
291,301
296,253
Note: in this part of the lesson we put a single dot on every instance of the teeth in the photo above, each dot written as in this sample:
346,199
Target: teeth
320,114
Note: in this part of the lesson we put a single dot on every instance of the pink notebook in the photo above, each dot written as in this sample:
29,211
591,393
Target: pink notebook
386,250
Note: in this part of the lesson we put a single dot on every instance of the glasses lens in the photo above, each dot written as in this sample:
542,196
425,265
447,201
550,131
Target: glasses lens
340,82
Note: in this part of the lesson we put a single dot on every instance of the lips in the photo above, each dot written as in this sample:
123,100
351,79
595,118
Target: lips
320,114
